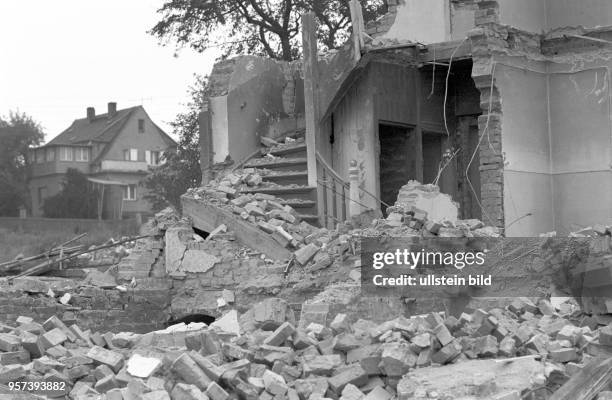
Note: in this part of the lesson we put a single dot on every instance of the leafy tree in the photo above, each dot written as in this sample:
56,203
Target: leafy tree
18,133
77,199
181,169
258,27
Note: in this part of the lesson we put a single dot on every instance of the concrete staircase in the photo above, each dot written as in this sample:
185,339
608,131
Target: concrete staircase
284,172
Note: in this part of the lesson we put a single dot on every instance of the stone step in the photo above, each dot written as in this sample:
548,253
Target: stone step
280,164
312,219
299,204
306,207
288,192
287,178
289,151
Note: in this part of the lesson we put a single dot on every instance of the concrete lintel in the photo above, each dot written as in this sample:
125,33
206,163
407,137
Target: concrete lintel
442,52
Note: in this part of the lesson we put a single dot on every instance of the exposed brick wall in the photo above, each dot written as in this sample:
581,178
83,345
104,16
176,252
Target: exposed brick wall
292,72
139,309
487,13
489,125
218,82
146,256
237,269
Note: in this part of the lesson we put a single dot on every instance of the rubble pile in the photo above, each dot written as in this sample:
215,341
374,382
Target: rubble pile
164,219
280,221
317,248
422,210
265,354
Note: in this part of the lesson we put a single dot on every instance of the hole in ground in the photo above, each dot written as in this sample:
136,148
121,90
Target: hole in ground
187,319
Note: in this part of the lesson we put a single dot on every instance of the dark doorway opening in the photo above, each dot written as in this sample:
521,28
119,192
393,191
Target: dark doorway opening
187,319
432,155
397,160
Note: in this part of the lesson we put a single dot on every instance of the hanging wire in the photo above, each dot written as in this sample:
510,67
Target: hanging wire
450,64
433,75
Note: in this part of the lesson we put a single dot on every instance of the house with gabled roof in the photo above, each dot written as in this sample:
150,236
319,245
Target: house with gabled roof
115,151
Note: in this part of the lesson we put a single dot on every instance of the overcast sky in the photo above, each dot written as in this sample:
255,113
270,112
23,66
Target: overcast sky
59,57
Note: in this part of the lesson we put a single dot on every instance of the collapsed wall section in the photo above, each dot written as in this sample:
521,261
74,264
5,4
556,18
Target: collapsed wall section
431,21
250,97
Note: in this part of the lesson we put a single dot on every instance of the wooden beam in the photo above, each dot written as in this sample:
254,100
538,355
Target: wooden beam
207,217
311,92
362,30
588,382
356,24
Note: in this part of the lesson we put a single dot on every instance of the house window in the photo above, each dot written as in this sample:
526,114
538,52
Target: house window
129,192
65,153
81,154
141,126
155,157
51,154
152,157
130,154
40,156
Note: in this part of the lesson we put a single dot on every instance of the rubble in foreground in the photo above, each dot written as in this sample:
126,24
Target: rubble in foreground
264,354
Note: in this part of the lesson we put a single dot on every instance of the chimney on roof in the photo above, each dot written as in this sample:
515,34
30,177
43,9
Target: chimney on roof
112,109
91,113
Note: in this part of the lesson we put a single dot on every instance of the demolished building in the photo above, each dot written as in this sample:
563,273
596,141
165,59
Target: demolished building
518,92
299,162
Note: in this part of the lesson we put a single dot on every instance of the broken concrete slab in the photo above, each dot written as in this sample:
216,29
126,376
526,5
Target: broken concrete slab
142,367
197,261
438,206
207,217
175,248
485,377
228,323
